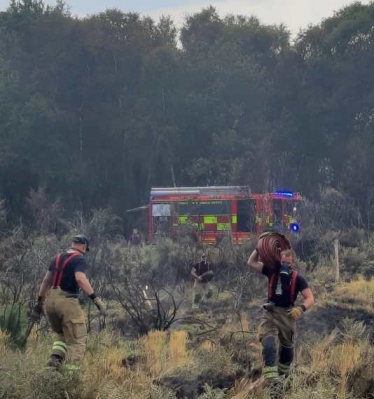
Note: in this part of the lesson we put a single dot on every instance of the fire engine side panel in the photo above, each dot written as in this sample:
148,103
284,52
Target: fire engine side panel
259,211
150,222
212,216
234,215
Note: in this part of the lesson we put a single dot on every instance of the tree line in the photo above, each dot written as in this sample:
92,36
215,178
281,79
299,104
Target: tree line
94,111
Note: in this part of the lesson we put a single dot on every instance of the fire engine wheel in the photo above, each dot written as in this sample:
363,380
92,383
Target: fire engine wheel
269,246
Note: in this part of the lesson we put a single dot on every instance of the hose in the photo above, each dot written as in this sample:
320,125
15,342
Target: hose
269,247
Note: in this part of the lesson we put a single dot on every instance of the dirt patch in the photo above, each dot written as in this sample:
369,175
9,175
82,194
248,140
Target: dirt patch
324,321
190,387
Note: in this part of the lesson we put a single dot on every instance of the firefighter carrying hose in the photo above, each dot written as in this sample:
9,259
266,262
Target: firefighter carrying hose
280,313
65,276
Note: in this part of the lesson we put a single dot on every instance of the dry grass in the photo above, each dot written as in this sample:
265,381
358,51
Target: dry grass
245,321
156,351
236,323
178,354
165,352
319,354
324,370
357,294
4,342
345,359
207,346
324,373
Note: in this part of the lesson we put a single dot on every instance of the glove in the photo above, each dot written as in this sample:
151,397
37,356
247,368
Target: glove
295,313
100,305
37,311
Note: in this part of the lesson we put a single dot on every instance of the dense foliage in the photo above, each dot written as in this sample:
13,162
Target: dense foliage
98,110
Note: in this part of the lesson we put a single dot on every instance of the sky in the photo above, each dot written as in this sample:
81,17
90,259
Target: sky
296,14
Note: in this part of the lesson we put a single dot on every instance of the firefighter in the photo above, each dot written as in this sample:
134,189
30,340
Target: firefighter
280,313
135,239
135,244
65,276
202,289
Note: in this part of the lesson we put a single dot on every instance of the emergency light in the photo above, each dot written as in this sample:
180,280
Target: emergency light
294,227
289,194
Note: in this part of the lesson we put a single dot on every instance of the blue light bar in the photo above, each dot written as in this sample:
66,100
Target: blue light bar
294,227
289,194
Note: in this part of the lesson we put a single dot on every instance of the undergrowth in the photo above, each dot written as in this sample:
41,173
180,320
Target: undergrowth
329,369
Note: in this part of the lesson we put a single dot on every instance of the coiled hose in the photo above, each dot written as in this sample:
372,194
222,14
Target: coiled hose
269,247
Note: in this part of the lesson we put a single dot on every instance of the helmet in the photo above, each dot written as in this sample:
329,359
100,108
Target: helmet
81,239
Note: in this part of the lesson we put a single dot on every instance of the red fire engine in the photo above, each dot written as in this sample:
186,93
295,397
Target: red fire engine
212,212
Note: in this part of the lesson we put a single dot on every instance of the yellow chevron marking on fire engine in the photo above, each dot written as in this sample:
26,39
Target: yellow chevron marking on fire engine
223,226
210,219
187,220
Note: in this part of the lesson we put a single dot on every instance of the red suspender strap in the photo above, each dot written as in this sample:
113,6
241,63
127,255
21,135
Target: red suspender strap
293,286
270,287
57,262
292,289
59,272
63,267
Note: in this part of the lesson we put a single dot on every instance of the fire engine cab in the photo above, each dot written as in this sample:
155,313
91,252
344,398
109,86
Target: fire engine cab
213,212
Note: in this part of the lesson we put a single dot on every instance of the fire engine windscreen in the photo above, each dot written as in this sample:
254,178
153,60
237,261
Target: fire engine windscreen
161,219
161,210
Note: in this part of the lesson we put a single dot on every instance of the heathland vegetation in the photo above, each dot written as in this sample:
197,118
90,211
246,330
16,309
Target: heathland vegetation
96,111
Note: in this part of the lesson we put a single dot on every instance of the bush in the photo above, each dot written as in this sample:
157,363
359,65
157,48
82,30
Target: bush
12,322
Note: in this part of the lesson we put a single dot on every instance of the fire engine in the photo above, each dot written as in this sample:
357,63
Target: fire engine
213,212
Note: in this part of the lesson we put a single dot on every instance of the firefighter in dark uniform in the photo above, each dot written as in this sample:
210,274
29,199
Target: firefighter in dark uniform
136,239
280,313
202,289
135,244
65,276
